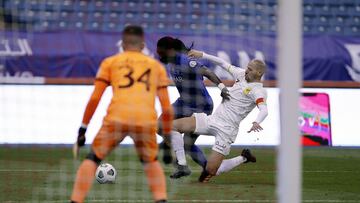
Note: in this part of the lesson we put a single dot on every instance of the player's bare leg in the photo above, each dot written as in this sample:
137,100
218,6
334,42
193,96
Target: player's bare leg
182,125
84,178
212,166
147,149
166,148
194,151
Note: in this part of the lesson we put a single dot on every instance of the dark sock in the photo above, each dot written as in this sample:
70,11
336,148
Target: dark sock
198,156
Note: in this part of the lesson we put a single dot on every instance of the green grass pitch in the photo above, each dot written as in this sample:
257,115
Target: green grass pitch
46,174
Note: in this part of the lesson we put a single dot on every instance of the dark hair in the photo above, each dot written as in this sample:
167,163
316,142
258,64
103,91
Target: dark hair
133,30
168,42
165,42
181,47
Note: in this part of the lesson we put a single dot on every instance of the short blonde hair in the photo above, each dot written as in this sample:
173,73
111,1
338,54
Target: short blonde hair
259,64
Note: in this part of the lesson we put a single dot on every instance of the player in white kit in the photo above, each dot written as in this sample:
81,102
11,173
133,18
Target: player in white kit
245,95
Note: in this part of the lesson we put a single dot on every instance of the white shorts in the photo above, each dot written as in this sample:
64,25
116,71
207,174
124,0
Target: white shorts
209,125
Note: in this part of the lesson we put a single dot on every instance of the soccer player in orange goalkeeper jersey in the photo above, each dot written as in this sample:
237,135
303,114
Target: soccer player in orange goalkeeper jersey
136,80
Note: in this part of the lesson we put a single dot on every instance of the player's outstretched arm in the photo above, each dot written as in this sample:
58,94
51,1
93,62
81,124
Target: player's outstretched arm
99,88
263,112
214,59
235,71
216,80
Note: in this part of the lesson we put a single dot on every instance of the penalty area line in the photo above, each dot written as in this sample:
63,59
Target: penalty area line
248,172
211,201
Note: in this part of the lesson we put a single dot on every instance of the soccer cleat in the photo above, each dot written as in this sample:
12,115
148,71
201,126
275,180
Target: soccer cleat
205,176
181,171
249,157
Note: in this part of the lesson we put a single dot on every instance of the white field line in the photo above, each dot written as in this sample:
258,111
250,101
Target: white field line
203,201
247,172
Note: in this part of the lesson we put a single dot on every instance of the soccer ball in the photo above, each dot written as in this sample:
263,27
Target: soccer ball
105,173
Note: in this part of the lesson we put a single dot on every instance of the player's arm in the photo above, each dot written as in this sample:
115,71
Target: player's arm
101,82
99,88
163,95
233,70
263,113
167,111
216,80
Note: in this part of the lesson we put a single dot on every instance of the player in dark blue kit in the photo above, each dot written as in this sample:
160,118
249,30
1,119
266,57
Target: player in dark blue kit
187,75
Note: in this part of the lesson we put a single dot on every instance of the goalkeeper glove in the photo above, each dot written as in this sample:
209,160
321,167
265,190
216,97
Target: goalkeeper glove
80,141
81,136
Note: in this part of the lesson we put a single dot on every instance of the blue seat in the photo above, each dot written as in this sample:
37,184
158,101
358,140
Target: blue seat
67,5
338,19
322,20
180,5
130,16
116,6
99,6
336,30
309,19
62,25
243,27
322,9
97,16
94,26
178,17
211,18
164,5
148,17
352,30
227,7
114,17
36,5
67,16
82,6
315,2
340,10
147,6
79,25
162,16
308,9
196,6
212,6
52,5
321,29
353,21
308,29
111,27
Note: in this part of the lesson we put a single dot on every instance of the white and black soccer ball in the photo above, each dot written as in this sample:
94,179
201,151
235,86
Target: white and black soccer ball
105,173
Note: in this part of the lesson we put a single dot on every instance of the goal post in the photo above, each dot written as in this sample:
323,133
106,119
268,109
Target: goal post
289,44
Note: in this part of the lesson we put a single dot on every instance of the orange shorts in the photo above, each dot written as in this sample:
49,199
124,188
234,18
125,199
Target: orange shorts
112,133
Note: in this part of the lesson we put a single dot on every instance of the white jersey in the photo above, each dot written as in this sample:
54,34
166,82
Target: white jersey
244,97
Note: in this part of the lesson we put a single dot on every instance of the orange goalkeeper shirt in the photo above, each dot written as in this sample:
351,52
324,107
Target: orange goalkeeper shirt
135,79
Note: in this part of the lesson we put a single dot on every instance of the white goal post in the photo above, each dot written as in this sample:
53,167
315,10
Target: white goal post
289,44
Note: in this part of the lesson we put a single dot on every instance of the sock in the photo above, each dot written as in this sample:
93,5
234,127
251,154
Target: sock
156,180
228,164
177,143
84,179
198,156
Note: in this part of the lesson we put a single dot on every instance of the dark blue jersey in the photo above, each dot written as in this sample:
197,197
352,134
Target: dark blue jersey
185,73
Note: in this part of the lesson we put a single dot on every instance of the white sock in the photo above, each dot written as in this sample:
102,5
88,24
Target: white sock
177,143
228,164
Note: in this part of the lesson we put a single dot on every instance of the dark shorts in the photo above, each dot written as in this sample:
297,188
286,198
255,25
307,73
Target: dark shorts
182,109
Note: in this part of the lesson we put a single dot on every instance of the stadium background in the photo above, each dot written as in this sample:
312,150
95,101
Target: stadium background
50,51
